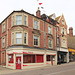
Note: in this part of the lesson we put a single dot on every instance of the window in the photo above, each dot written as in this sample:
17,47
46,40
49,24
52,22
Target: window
2,57
3,42
48,58
13,21
12,38
39,58
63,31
36,40
18,20
63,22
36,24
3,27
53,58
28,58
25,20
57,29
10,58
18,38
50,43
49,29
25,39
57,40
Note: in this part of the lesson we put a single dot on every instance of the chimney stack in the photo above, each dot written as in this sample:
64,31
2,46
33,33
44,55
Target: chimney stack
38,13
70,31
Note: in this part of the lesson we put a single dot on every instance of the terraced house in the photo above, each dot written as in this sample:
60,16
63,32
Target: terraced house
62,41
27,41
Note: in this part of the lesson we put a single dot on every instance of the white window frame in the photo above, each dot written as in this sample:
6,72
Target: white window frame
36,24
18,37
49,30
51,43
3,27
18,21
3,42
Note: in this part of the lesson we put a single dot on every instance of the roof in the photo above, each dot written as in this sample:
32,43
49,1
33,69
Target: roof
57,18
27,13
71,41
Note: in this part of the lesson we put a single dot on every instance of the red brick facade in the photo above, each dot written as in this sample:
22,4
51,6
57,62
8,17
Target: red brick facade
30,29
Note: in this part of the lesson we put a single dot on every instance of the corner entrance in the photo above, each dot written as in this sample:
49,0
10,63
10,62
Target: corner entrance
18,62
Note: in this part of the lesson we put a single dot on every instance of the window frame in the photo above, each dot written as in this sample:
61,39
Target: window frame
3,42
19,38
19,20
51,43
38,40
50,31
3,27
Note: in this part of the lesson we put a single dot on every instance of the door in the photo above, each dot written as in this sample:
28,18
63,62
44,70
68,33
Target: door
51,60
18,62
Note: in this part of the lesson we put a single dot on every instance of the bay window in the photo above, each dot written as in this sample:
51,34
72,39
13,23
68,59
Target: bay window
25,20
25,38
18,38
18,20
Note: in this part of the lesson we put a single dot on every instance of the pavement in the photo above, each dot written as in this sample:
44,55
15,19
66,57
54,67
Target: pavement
63,69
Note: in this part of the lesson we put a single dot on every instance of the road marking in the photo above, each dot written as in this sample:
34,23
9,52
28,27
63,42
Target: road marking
61,72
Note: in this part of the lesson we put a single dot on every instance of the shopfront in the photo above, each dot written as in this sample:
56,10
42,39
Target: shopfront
30,58
71,55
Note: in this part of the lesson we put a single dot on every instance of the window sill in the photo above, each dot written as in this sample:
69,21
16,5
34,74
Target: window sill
36,46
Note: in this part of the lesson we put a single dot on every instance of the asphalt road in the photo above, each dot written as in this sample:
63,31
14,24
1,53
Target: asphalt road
64,69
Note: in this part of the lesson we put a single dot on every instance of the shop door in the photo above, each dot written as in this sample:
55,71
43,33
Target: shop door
18,62
51,60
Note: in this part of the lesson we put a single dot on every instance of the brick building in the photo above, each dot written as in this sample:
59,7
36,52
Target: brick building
71,45
28,41
62,43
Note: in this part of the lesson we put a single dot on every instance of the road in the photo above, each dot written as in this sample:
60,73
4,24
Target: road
64,69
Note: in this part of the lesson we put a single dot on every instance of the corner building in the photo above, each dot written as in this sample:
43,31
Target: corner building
25,42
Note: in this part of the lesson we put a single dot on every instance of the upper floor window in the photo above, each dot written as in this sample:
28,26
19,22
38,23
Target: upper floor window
25,20
36,38
18,38
57,40
25,38
13,21
49,29
3,27
19,20
3,42
50,43
57,29
12,38
63,22
36,24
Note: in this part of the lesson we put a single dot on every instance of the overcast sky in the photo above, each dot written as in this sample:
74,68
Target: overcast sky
67,7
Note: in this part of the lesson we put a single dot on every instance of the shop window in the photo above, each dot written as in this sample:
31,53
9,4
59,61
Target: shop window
36,24
48,58
18,20
28,58
10,58
18,38
53,58
39,58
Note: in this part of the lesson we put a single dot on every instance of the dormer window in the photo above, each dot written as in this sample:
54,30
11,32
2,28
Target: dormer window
18,20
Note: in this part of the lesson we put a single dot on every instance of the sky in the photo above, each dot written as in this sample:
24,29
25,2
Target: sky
59,7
